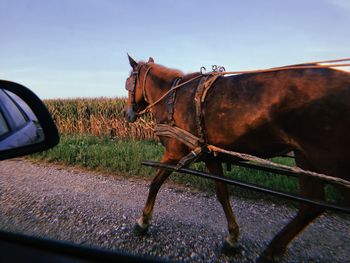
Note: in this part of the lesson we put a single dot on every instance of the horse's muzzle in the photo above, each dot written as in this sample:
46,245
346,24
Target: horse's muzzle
130,114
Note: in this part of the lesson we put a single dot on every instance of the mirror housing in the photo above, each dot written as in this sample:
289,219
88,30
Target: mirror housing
42,134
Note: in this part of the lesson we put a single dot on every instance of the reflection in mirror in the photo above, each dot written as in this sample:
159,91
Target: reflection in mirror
18,124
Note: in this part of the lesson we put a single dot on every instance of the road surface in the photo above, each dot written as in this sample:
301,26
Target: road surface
99,210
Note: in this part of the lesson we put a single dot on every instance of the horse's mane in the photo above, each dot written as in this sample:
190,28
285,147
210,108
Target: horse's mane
165,72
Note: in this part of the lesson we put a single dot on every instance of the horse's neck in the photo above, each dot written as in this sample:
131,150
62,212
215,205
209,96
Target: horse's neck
164,110
160,84
158,91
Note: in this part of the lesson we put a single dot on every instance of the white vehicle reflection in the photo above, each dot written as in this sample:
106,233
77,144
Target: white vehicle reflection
18,124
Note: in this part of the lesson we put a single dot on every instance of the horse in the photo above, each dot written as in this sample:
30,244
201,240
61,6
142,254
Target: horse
265,114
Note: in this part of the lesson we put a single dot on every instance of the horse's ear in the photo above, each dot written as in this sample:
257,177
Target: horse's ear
150,60
132,62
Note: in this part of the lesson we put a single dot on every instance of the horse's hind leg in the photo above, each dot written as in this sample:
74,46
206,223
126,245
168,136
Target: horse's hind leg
310,188
144,221
230,244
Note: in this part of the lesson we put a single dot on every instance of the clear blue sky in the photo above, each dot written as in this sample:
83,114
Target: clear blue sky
77,48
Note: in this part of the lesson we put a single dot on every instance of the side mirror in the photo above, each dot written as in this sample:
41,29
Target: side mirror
26,125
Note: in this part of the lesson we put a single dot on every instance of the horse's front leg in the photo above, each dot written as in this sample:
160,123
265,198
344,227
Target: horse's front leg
144,221
230,245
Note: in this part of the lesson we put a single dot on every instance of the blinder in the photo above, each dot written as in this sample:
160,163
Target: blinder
130,85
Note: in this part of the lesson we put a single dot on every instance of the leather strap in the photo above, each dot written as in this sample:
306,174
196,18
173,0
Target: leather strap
170,101
203,87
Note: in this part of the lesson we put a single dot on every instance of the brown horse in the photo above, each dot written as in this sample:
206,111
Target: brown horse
264,114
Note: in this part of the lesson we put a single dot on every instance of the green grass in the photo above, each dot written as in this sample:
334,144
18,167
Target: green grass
103,154
124,157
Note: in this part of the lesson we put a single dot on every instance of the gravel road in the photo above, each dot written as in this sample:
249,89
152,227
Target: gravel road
100,210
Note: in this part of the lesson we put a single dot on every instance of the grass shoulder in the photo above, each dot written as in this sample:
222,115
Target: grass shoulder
124,157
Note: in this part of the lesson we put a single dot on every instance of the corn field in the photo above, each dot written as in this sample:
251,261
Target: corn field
99,117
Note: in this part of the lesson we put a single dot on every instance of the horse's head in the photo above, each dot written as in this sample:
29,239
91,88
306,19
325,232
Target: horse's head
135,85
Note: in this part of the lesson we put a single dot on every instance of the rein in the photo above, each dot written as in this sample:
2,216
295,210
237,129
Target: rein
222,73
165,94
136,78
279,69
144,85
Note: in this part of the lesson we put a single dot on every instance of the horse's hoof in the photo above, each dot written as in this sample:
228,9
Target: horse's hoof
140,231
229,250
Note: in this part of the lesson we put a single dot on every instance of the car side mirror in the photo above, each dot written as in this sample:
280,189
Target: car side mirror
26,125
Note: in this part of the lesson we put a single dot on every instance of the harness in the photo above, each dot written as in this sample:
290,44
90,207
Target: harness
198,143
203,87
170,101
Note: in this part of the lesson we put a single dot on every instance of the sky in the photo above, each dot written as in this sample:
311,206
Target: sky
78,48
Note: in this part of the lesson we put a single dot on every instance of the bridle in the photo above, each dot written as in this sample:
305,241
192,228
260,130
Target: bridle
130,85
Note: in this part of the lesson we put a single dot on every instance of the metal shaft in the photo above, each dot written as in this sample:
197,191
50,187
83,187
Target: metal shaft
250,186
